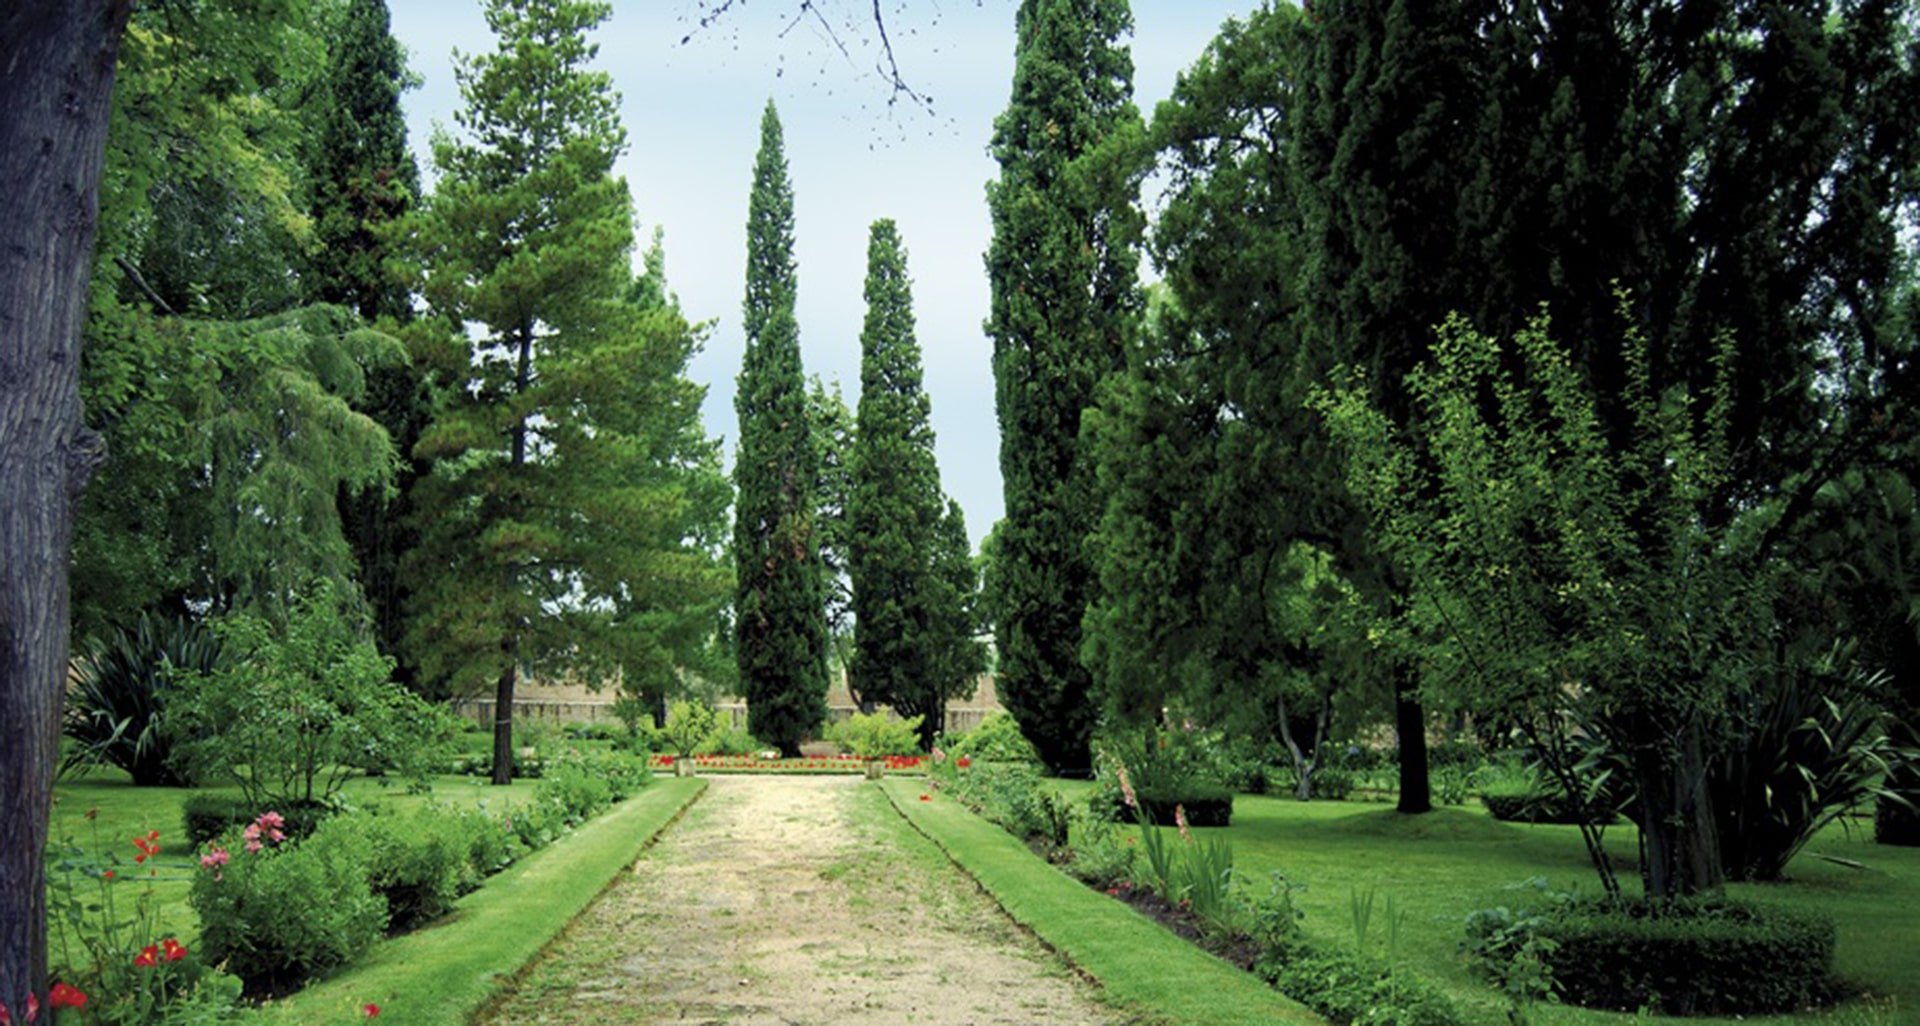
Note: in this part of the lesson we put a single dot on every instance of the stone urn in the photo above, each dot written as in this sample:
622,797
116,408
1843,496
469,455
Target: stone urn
683,766
876,769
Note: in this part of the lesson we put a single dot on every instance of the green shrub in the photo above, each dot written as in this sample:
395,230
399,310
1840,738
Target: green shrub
288,913
996,739
1100,856
1167,769
416,863
877,735
207,816
295,710
728,741
1207,805
491,844
1013,796
117,705
1349,989
1705,957
574,792
688,724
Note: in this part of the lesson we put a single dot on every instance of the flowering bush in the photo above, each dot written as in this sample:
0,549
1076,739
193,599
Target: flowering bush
289,911
110,952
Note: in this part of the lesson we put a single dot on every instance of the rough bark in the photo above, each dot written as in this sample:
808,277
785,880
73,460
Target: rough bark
56,74
1679,843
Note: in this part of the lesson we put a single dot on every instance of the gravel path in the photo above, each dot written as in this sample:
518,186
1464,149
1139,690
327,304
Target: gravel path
797,901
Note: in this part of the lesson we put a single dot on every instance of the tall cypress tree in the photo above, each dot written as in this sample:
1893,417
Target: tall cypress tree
570,485
895,507
780,599
364,180
1062,266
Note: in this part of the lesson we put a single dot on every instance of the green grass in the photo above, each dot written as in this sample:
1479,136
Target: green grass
1443,865
442,974
1138,963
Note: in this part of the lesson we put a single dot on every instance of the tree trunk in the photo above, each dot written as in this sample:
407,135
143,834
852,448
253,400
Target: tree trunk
503,724
1679,842
56,73
1410,721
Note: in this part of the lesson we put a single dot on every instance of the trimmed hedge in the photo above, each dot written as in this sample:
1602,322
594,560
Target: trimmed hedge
1710,957
207,816
1206,807
1534,807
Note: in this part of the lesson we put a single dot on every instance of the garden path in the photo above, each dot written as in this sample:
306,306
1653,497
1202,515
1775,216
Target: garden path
797,901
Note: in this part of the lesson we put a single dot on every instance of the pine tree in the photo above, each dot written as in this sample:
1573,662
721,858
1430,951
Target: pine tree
1062,269
780,601
895,506
566,479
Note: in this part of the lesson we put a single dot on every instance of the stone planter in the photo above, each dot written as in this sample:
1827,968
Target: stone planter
876,769
683,767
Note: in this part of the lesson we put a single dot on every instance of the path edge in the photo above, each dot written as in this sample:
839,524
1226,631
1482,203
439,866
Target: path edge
1239,992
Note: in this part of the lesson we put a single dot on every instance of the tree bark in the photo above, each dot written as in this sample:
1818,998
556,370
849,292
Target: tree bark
56,73
503,722
1679,841
1410,722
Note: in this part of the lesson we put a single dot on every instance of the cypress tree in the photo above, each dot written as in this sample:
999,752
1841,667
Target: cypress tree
364,181
1062,266
570,488
780,601
895,507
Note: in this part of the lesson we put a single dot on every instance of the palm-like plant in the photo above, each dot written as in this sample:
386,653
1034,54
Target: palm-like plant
116,705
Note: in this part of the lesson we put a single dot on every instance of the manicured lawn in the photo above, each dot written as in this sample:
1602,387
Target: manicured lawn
1441,866
442,974
1139,964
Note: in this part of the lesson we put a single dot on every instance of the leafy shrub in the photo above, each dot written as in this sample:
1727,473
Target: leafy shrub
206,816
117,706
1801,758
1013,796
688,724
1100,856
877,735
1205,805
1167,769
417,864
575,793
300,708
1347,988
996,739
1708,956
289,912
592,732
490,843
728,741
1332,783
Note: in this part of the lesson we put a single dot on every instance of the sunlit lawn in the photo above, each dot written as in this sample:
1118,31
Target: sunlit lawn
1439,867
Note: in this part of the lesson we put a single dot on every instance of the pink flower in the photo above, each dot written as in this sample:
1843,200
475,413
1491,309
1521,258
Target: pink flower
1180,819
215,858
1126,786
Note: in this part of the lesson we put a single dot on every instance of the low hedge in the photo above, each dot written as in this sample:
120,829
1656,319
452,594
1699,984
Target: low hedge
1349,989
1205,807
1709,957
207,816
1535,807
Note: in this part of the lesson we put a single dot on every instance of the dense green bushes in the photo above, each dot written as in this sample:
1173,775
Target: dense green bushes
1710,956
876,735
206,816
116,710
1348,988
996,739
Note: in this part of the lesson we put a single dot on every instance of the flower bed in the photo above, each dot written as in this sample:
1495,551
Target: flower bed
808,764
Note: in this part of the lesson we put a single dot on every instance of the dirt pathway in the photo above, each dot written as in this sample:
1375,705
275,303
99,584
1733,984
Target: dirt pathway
797,901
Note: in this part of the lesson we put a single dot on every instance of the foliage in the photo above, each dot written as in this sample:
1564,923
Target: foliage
109,944
779,600
205,816
689,724
569,519
832,425
996,739
1539,552
1690,958
289,911
116,707
296,710
912,599
729,741
1062,268
1807,747
1013,797
1350,989
876,735
1163,769
415,865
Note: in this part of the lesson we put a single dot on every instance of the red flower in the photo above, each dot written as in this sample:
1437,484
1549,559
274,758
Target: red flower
63,996
963,762
148,956
175,951
926,797
371,1009
106,875
149,846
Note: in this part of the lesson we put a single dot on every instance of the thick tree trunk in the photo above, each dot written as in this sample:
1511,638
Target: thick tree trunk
1410,721
56,75
1679,842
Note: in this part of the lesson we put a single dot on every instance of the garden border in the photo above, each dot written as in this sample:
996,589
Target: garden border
566,876
1099,937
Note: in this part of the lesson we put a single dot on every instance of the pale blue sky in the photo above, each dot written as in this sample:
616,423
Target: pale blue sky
692,114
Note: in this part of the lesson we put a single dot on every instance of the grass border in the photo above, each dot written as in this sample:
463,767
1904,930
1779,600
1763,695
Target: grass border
445,973
1136,961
